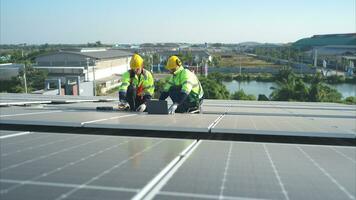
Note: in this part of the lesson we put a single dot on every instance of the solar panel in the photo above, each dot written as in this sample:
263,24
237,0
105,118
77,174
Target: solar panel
40,165
82,167
285,125
4,133
177,122
233,170
20,102
54,98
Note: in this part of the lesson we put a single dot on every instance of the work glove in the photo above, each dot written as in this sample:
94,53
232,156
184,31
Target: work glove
123,105
173,108
141,108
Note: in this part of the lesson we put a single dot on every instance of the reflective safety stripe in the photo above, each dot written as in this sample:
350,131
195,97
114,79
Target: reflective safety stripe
190,83
148,87
201,92
124,84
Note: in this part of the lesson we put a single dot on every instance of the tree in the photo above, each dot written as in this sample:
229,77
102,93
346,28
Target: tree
35,77
285,80
213,89
155,59
292,88
216,61
301,91
350,100
12,86
159,84
262,97
147,61
320,92
241,95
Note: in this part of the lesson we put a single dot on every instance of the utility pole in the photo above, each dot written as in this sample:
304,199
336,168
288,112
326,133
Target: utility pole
315,58
94,85
87,71
24,77
240,59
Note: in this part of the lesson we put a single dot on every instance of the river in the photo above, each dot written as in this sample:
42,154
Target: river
256,88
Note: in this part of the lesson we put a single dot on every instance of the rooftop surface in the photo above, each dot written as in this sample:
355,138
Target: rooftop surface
107,54
61,147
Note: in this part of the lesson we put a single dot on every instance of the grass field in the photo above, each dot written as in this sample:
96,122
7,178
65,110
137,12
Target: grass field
246,61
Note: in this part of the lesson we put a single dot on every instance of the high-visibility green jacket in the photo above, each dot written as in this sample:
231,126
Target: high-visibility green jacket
143,82
187,81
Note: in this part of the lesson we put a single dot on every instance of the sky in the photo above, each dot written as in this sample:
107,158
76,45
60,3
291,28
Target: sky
192,21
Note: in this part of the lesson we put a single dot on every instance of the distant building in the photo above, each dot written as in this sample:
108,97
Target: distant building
68,63
198,55
349,64
9,70
325,40
334,50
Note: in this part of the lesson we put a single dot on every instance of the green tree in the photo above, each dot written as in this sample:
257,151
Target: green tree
320,92
285,80
35,77
262,97
12,86
241,95
350,100
147,61
156,59
213,89
159,84
292,88
301,91
216,61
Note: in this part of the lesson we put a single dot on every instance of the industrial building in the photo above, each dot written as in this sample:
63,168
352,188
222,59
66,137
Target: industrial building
10,70
86,65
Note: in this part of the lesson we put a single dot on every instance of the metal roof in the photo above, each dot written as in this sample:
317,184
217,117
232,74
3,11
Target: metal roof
200,53
108,54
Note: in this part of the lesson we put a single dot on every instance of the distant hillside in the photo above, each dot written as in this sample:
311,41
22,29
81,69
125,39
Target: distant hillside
249,43
254,44
324,40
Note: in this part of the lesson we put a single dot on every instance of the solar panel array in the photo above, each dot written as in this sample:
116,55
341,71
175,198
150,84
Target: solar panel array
11,99
90,163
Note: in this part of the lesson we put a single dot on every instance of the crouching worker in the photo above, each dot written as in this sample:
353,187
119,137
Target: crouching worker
137,86
183,87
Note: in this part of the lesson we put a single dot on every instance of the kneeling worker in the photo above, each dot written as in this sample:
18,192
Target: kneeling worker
137,86
183,87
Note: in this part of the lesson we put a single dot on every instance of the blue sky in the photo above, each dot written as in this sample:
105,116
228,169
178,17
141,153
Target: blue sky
195,21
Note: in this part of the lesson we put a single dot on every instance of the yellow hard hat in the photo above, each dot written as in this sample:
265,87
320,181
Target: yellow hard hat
173,62
136,62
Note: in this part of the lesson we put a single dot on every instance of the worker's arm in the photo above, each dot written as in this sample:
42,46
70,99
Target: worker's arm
125,82
166,89
187,86
149,88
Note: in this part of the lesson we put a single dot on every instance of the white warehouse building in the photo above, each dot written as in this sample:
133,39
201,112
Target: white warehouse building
106,63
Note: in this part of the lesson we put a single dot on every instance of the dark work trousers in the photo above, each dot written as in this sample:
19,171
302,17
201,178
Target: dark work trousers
189,104
132,98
